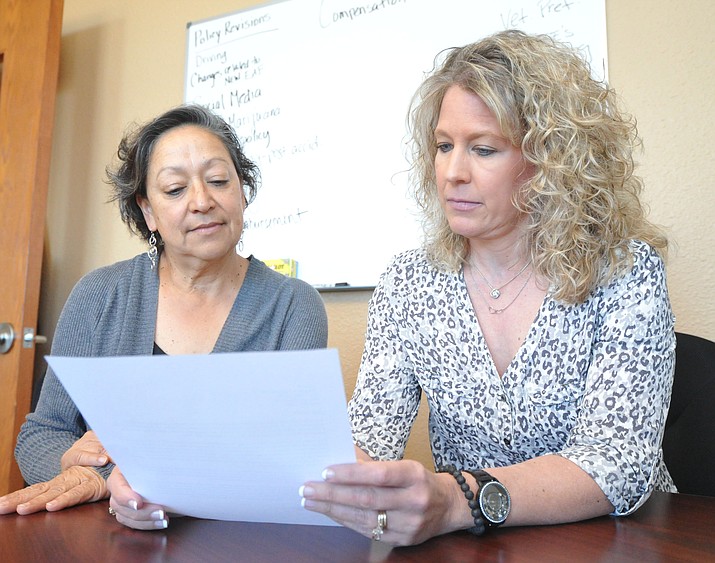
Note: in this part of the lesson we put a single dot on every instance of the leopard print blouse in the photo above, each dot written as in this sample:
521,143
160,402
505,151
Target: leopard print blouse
591,382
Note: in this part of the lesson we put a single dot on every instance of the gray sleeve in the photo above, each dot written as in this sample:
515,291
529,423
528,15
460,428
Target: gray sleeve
56,423
274,312
306,322
105,316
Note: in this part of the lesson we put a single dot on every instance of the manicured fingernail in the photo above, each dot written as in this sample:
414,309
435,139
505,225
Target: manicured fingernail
300,491
328,474
161,524
158,515
306,491
102,460
133,504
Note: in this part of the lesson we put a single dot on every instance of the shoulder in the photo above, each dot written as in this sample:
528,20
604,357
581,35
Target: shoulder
409,265
289,311
109,281
411,282
412,269
647,268
413,257
646,257
96,300
639,297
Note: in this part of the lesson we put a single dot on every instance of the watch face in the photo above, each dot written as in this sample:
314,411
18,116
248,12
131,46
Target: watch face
495,502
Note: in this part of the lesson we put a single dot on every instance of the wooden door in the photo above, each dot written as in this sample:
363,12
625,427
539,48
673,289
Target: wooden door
30,32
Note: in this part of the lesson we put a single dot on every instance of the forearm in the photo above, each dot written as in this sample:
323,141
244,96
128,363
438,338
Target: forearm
39,451
48,432
544,490
550,490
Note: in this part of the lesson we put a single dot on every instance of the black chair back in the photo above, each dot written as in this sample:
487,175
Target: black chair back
689,439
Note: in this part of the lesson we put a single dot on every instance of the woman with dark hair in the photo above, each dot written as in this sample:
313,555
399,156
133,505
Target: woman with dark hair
535,318
182,184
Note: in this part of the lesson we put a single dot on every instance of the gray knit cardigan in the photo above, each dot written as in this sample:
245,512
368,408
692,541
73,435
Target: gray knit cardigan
112,312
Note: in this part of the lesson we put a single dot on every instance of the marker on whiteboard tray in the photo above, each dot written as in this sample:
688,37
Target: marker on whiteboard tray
342,284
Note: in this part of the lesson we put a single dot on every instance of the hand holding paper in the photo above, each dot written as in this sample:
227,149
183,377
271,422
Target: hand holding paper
223,436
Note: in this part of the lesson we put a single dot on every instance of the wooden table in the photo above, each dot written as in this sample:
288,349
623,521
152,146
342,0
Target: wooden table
669,527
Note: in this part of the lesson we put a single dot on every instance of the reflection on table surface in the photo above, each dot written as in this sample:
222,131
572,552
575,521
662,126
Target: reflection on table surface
669,527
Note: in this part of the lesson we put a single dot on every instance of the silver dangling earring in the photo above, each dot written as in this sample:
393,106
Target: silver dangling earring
152,252
240,244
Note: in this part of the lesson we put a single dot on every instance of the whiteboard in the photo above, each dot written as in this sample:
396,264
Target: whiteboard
318,92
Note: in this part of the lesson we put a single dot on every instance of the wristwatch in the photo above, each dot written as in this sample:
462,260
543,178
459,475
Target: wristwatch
494,499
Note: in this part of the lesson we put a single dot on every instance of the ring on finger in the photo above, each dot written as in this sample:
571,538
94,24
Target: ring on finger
112,512
381,525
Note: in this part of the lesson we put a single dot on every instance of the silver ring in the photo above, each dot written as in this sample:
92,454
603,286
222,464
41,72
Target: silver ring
381,525
112,512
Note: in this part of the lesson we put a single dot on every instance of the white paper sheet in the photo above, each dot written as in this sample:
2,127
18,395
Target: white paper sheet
222,436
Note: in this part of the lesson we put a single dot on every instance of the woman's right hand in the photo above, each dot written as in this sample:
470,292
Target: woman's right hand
129,507
417,503
75,485
87,451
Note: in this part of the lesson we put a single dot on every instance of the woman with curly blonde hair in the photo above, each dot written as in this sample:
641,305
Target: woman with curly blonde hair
535,319
582,202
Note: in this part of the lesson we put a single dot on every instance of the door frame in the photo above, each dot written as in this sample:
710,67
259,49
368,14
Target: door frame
30,34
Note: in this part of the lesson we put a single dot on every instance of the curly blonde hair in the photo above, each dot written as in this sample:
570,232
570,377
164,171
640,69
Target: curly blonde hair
582,203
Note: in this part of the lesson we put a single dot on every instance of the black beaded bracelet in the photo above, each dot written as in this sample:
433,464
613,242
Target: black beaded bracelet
479,526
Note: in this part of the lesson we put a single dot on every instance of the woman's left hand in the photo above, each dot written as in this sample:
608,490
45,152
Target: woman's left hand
418,504
129,507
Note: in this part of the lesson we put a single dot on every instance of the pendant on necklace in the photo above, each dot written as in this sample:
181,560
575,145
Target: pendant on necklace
495,293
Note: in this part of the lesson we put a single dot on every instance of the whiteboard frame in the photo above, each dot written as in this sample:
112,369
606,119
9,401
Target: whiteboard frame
350,244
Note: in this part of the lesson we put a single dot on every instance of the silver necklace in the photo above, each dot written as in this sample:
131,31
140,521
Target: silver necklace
491,309
495,292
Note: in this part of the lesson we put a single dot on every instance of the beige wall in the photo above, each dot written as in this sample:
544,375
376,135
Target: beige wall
124,61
